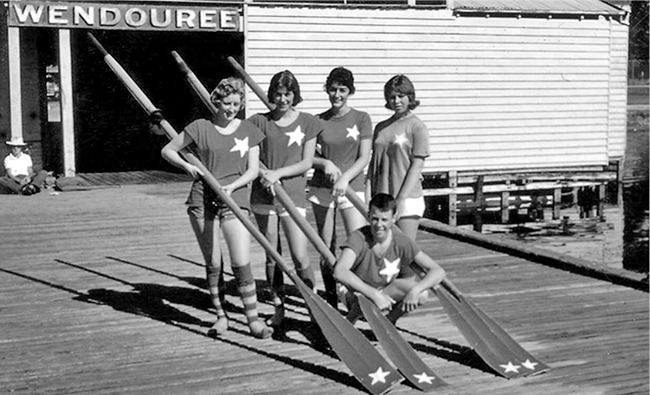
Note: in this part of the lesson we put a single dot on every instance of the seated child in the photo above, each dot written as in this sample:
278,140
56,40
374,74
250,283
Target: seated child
20,176
382,263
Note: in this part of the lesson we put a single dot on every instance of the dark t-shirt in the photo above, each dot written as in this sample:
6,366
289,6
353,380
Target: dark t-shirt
340,142
379,271
225,156
283,147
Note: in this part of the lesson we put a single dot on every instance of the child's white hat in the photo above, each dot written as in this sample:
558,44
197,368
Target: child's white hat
16,141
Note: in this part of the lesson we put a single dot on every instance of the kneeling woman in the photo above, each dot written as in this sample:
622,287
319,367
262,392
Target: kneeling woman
229,149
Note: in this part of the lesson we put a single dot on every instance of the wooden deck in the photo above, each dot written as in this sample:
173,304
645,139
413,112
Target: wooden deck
102,292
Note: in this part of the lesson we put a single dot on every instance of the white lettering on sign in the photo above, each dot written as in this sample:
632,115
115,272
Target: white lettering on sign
41,13
88,15
185,17
29,12
208,18
55,15
229,19
135,17
155,20
109,16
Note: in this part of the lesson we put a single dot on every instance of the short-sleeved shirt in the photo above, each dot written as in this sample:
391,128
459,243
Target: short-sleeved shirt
340,142
225,156
283,147
18,166
395,144
379,271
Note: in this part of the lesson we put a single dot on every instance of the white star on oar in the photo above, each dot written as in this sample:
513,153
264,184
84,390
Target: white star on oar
353,132
423,378
379,376
400,139
510,367
296,137
529,365
390,269
241,146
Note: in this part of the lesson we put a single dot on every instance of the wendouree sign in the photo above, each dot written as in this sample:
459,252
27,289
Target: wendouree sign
64,15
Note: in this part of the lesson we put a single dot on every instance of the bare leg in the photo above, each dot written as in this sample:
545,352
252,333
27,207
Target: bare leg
409,226
325,222
268,225
298,247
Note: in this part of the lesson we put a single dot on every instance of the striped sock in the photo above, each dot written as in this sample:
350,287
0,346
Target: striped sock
247,291
216,287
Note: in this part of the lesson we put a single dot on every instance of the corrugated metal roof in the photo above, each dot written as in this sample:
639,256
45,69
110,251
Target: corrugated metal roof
538,6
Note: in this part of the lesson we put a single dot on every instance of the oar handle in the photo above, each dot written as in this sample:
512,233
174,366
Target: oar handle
144,101
251,83
280,193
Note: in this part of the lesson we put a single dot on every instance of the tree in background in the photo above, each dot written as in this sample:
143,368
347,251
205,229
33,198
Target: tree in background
638,47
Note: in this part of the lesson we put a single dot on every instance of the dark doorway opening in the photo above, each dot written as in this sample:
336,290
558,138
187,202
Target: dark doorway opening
112,130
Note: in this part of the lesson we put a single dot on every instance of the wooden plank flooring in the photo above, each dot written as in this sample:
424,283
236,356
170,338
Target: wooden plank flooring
102,292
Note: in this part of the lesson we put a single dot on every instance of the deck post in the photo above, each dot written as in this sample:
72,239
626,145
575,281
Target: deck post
600,207
452,204
557,200
505,213
479,204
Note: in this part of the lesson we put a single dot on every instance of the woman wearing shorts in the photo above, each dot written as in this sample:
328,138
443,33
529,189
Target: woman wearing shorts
287,152
344,152
229,149
400,146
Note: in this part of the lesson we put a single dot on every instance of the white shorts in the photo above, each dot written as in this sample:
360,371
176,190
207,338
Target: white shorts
278,210
323,197
413,207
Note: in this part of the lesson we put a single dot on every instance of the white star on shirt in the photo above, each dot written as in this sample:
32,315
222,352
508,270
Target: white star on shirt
400,139
378,376
423,378
353,132
390,269
241,146
296,137
510,367
529,365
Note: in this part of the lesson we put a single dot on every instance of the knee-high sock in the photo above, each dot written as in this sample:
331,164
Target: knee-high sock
330,283
307,276
247,291
216,286
275,277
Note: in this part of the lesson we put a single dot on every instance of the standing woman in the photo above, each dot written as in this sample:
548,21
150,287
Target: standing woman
345,151
288,152
229,149
400,146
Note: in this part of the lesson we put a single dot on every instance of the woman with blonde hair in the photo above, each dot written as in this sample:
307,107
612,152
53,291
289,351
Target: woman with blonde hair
229,149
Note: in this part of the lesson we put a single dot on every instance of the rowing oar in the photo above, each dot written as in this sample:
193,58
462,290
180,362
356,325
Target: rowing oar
370,368
412,367
490,341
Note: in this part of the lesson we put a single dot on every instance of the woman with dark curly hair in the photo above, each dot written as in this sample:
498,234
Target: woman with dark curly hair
345,150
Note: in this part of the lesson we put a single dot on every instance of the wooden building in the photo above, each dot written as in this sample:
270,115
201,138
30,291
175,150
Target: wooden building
510,90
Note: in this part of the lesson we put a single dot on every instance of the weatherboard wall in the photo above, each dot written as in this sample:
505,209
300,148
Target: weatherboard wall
496,93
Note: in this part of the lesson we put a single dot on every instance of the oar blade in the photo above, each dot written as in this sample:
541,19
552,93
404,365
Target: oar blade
399,350
494,352
529,363
467,329
362,358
